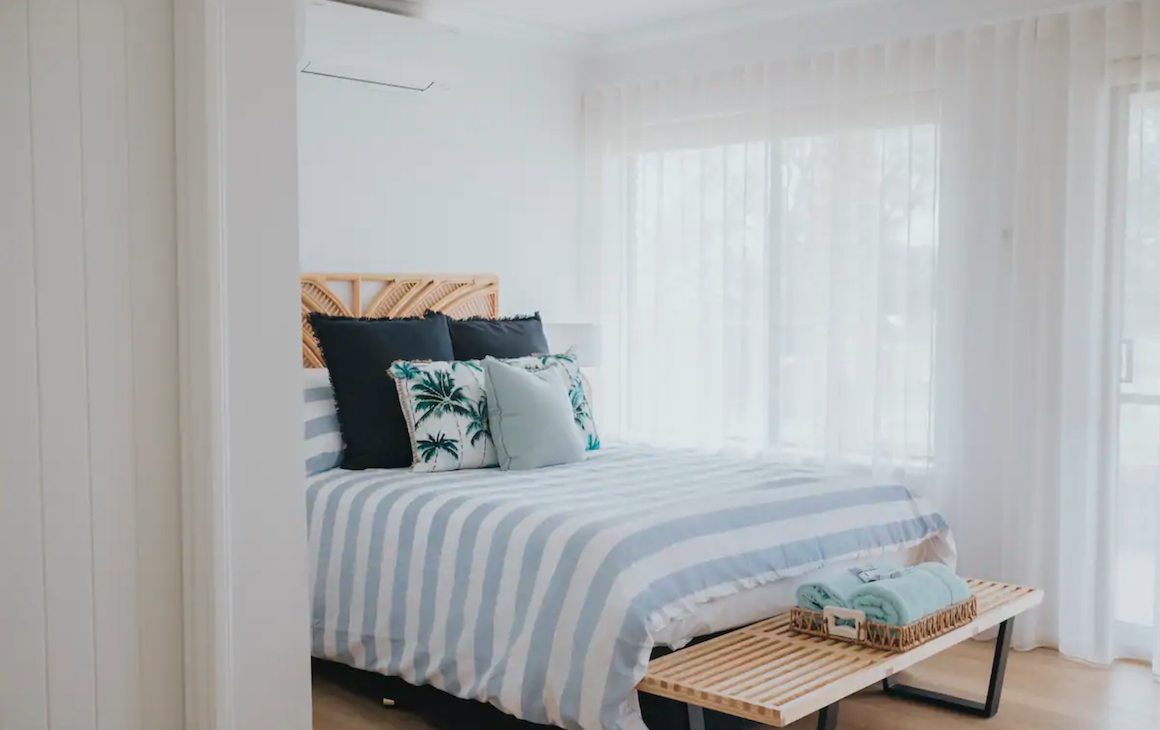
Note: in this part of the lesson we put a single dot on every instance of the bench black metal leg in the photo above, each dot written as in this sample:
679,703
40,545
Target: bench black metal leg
989,708
828,717
696,718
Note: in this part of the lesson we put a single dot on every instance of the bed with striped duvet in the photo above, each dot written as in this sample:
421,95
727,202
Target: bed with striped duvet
540,592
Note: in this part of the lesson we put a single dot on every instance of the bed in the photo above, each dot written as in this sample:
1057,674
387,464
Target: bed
545,593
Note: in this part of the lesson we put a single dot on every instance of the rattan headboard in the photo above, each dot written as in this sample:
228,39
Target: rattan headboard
393,295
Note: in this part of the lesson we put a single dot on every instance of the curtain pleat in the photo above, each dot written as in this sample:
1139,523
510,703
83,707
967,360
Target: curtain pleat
927,259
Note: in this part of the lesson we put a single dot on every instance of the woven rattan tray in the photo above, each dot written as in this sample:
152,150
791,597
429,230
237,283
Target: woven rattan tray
852,626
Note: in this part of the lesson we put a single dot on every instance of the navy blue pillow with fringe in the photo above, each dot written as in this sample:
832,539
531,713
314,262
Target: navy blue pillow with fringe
477,338
358,353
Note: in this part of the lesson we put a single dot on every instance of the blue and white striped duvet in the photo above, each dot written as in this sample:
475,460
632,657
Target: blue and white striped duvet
541,591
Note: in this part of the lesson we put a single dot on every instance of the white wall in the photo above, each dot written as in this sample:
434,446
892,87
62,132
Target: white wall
484,180
90,531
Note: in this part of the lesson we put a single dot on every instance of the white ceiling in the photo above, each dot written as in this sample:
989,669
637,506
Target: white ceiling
598,18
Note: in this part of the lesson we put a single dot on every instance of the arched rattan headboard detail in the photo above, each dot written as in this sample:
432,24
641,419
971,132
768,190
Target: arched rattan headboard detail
393,295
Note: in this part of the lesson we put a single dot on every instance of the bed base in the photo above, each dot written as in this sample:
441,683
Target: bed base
447,712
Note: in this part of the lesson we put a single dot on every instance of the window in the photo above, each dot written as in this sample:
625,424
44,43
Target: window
696,294
784,289
855,260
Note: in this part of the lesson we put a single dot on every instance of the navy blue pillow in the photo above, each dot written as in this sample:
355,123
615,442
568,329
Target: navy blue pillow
358,353
477,338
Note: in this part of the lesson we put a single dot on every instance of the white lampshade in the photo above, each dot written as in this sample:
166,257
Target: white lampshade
582,339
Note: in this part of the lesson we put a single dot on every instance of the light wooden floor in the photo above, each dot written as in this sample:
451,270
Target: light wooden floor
1042,691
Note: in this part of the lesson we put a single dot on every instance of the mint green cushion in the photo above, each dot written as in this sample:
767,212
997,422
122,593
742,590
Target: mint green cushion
531,416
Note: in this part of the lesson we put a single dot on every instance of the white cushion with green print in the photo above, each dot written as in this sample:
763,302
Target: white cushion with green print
446,410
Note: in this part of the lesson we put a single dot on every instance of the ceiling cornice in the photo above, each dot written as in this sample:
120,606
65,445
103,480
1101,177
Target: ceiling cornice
713,23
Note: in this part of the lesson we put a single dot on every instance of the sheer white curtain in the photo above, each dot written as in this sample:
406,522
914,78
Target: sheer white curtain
769,238
908,257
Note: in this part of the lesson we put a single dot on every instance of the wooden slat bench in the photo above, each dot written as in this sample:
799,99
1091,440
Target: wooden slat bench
773,675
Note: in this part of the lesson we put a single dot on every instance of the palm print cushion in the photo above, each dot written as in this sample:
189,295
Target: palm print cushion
446,412
581,409
445,408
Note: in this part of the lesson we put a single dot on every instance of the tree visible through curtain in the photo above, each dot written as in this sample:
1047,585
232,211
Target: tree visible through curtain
920,258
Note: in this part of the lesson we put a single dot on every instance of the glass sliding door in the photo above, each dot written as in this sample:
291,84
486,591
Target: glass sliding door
1136,228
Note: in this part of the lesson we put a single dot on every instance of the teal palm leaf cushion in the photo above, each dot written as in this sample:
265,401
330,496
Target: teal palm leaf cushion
581,408
532,421
445,407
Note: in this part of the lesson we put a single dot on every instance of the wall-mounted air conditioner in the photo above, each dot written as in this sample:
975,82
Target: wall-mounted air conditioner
394,52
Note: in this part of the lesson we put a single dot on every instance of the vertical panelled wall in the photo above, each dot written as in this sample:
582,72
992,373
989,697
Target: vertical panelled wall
90,539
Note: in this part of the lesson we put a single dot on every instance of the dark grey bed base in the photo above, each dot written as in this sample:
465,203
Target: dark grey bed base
447,712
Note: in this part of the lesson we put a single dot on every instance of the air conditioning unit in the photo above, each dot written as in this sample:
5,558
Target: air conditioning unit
391,51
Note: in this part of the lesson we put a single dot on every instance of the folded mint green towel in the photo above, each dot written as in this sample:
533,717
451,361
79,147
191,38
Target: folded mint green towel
835,589
905,599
